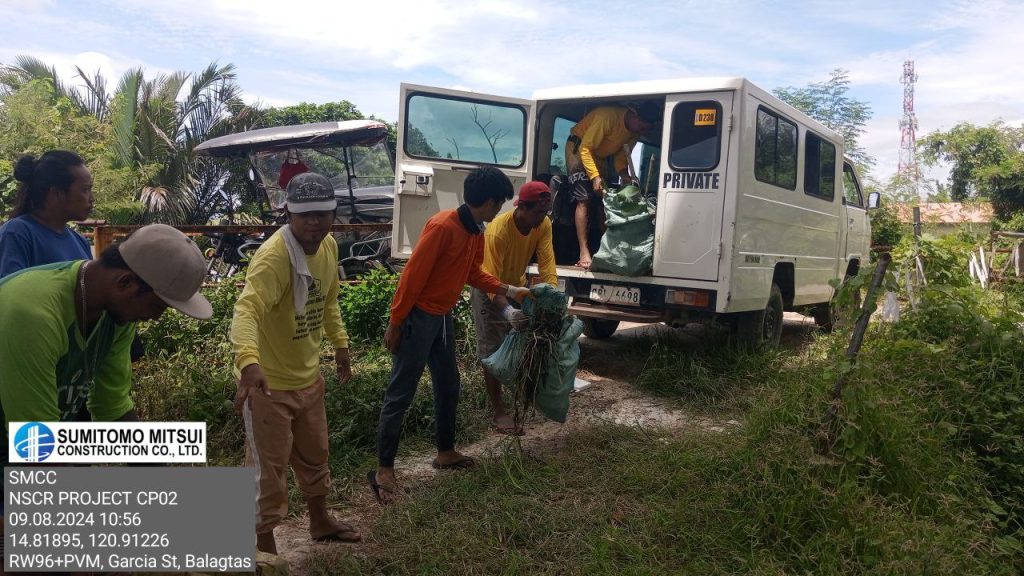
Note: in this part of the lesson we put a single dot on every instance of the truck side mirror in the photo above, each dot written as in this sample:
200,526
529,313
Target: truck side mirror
874,200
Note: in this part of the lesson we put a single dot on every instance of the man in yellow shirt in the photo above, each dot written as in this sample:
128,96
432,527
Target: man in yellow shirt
510,242
605,132
290,302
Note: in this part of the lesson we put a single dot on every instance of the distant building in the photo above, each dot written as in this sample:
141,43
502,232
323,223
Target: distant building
941,218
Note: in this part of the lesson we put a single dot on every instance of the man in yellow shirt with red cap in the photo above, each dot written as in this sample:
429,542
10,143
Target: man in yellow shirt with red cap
510,243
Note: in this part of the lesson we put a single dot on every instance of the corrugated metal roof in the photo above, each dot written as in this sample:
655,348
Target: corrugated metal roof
948,212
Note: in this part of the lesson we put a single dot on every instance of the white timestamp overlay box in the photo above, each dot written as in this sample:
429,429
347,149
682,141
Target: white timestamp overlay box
129,519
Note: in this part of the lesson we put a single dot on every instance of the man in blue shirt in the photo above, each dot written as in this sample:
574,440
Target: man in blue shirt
52,191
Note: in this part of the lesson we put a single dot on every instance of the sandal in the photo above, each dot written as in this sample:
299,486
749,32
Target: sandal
463,463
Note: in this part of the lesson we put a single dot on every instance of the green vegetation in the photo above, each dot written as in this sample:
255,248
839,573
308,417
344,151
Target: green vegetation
138,138
926,475
187,375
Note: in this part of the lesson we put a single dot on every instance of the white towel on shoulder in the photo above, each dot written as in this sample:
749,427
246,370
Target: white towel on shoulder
301,278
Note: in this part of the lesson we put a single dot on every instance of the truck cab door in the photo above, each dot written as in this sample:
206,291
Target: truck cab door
444,134
858,237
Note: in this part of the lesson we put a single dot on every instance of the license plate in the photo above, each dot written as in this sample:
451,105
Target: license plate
615,294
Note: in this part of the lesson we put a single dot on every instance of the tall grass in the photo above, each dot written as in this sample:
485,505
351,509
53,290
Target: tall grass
186,376
923,479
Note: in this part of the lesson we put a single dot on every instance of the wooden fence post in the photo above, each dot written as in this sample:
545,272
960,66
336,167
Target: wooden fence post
828,435
103,236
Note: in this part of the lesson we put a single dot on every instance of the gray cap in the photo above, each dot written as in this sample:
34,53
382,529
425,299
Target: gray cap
310,192
172,264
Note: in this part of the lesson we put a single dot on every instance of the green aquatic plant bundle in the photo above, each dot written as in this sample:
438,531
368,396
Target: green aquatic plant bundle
537,361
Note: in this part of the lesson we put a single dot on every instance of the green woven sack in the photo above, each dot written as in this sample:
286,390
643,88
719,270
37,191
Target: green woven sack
627,247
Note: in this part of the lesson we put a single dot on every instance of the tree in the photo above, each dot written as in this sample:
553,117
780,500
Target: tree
35,118
1006,182
491,137
155,125
828,102
972,152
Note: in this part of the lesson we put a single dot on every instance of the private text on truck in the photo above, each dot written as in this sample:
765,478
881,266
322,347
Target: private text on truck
755,208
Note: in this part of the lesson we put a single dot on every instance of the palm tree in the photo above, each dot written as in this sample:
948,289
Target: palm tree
159,122
156,124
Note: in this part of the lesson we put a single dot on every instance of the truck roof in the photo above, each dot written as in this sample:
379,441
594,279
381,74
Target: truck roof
652,87
676,86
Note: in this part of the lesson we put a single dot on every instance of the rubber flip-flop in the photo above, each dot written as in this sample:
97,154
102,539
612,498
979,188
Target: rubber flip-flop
377,488
464,463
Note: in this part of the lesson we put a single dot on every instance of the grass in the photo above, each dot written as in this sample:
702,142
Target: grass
925,476
900,494
620,501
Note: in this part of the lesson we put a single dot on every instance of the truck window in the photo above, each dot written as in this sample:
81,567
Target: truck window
820,168
696,135
851,190
775,150
558,138
463,130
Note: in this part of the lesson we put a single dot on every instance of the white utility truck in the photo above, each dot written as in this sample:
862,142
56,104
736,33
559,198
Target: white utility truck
756,208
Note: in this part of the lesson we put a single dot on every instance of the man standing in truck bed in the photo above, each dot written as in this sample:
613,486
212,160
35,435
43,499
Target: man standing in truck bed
605,132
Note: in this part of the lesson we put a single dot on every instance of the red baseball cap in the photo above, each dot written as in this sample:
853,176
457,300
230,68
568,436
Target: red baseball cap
531,191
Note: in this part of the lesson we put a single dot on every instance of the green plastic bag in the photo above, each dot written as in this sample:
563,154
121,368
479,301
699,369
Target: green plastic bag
561,360
627,247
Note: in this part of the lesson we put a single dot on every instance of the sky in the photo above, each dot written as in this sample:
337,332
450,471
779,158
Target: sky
967,54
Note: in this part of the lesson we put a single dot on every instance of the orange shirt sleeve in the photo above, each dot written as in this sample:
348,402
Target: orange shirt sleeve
477,277
417,271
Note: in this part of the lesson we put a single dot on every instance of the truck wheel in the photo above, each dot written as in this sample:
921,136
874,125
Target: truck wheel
762,329
599,329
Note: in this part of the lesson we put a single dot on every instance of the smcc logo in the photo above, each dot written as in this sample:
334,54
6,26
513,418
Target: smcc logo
34,442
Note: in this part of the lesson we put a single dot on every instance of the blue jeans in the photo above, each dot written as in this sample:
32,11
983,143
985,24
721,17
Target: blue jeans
427,340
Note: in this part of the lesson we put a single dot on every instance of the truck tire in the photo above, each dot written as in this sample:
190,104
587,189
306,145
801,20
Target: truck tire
599,329
761,329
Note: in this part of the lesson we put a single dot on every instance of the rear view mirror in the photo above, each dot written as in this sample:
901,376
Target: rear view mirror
874,200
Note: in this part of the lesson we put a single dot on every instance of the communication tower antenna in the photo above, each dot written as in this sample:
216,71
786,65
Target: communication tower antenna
909,167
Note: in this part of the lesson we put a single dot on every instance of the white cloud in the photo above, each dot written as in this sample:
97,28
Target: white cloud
967,54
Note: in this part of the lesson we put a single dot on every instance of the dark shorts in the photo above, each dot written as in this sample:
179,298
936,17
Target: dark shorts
580,185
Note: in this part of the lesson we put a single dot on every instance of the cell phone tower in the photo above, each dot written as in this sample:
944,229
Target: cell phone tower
909,168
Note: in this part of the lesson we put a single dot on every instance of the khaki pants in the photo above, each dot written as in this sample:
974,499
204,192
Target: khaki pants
287,427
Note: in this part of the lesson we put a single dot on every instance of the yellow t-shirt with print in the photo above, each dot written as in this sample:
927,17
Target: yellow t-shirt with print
266,330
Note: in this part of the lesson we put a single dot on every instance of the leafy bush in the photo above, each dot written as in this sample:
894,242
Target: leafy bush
366,306
886,228
1014,223
945,259
973,356
186,374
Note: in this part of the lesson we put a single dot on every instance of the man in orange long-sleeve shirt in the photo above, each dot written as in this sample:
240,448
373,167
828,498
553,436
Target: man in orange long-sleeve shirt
421,331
